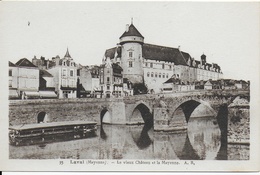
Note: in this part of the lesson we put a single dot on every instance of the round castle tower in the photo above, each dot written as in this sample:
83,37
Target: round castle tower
131,43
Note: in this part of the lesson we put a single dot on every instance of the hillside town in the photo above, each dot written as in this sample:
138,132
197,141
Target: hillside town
132,67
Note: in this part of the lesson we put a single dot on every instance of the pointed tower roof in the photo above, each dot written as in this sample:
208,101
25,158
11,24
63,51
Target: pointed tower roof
132,31
67,55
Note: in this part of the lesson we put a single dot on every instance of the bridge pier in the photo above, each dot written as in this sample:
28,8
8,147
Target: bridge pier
164,122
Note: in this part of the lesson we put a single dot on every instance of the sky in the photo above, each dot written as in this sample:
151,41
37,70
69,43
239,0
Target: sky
226,32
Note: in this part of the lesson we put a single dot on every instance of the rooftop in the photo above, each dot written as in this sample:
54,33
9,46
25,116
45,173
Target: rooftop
132,31
24,62
45,73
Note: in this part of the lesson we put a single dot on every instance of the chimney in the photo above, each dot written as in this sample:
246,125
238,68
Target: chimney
127,28
47,66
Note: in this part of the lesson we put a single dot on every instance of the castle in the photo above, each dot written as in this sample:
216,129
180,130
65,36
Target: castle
153,65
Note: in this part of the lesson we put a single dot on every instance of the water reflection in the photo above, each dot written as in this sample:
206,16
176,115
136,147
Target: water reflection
201,141
204,135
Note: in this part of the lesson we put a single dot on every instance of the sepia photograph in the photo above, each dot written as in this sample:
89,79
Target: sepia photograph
129,86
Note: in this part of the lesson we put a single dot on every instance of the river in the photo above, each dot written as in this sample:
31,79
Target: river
201,141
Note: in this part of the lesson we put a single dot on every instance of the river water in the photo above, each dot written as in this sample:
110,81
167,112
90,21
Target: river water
201,141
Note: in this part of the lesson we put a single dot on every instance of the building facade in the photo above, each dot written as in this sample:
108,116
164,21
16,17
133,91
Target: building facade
13,81
88,81
64,71
27,79
111,79
153,65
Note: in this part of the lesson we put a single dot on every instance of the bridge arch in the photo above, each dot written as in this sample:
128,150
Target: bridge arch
42,117
189,105
141,113
105,116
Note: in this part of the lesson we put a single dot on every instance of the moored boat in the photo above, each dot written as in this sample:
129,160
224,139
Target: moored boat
40,129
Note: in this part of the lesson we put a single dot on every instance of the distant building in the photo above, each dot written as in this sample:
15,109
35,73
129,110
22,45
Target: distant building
64,71
153,65
28,79
176,85
241,84
13,81
47,87
111,79
127,87
208,85
88,81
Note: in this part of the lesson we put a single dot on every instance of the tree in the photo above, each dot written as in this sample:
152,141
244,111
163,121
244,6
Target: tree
140,88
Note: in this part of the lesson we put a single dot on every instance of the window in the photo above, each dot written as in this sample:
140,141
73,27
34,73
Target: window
130,54
130,64
64,72
160,75
163,75
10,83
108,87
170,67
10,72
167,75
151,64
71,73
148,74
152,74
64,83
146,64
155,74
108,79
72,83
163,66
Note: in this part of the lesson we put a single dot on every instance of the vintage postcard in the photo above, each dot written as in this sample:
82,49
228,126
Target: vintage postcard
129,86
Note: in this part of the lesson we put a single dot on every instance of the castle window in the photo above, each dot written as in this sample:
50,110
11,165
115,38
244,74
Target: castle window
148,74
163,66
108,79
146,64
170,67
163,75
152,74
130,54
108,87
160,75
166,75
10,72
130,64
155,74
151,64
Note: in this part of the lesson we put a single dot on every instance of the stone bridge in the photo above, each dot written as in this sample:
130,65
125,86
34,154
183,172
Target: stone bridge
164,111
